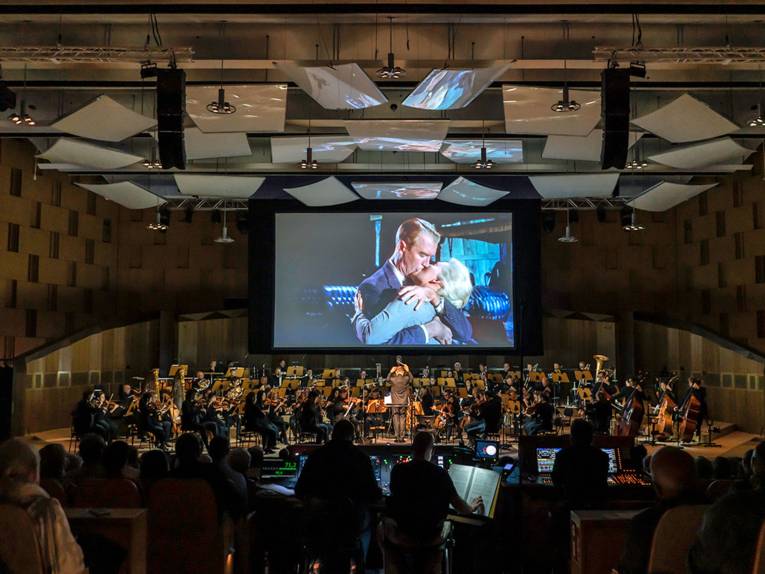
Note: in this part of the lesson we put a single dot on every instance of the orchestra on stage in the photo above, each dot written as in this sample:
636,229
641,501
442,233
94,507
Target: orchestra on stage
292,404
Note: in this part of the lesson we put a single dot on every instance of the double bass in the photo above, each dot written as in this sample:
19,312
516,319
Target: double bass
690,417
632,417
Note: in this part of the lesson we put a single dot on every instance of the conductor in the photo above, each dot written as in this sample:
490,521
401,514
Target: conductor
399,378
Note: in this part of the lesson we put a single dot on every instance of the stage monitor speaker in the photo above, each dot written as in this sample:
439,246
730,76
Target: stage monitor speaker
171,108
615,112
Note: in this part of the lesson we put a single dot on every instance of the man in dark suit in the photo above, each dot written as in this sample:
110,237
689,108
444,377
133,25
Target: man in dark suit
416,244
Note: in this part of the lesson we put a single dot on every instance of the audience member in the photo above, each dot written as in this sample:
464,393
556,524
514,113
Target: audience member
581,470
153,467
339,471
219,451
746,464
115,461
92,448
421,492
721,468
727,539
674,479
704,468
18,485
188,449
53,462
73,464
758,467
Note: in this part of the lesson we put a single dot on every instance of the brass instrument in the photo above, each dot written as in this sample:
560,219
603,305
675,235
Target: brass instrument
600,361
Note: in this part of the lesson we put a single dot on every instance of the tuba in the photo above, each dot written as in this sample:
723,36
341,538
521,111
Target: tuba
600,361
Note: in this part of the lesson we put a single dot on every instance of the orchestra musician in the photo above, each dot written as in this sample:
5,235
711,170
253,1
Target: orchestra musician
274,408
426,398
486,415
695,389
540,415
192,417
256,420
310,417
150,419
458,374
87,417
199,382
399,377
599,413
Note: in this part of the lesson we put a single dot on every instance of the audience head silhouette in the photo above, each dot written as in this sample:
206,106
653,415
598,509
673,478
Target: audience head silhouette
422,445
116,457
154,465
18,462
92,448
581,433
52,461
219,448
343,430
673,471
239,460
188,448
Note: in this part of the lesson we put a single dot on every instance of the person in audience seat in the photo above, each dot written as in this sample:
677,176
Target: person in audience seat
116,461
219,451
188,450
339,470
92,448
674,478
19,485
727,540
581,470
53,463
153,467
420,495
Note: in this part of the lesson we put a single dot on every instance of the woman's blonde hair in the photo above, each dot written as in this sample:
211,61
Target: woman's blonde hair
455,278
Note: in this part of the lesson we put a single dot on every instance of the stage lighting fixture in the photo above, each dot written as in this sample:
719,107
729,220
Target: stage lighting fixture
152,164
22,118
758,121
483,162
566,104
637,70
391,71
148,70
221,106
636,163
568,237
157,224
309,162
224,238
629,220
7,98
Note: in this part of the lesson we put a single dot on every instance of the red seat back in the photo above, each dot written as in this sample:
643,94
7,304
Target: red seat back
107,493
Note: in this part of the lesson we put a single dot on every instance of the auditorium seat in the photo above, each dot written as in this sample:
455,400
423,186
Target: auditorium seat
19,548
759,553
673,539
107,493
185,532
55,489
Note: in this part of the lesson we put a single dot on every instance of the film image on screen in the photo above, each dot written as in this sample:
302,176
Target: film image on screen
356,280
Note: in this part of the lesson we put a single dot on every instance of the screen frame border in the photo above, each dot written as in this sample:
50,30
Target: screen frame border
526,239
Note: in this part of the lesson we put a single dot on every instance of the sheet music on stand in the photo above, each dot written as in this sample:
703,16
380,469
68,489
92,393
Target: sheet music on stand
471,481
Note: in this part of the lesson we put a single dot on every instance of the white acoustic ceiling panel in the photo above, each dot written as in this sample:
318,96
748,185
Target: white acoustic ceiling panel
398,135
323,193
106,120
580,148
451,89
125,193
715,152
327,149
403,190
87,155
665,195
686,119
575,185
498,151
528,111
465,192
201,145
342,87
259,108
225,186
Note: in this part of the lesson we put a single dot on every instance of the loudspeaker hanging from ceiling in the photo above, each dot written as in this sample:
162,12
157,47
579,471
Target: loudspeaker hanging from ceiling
615,115
171,107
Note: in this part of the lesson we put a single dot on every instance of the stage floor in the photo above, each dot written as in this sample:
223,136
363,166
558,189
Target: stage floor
730,443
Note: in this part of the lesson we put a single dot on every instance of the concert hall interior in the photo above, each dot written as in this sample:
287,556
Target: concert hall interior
384,287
